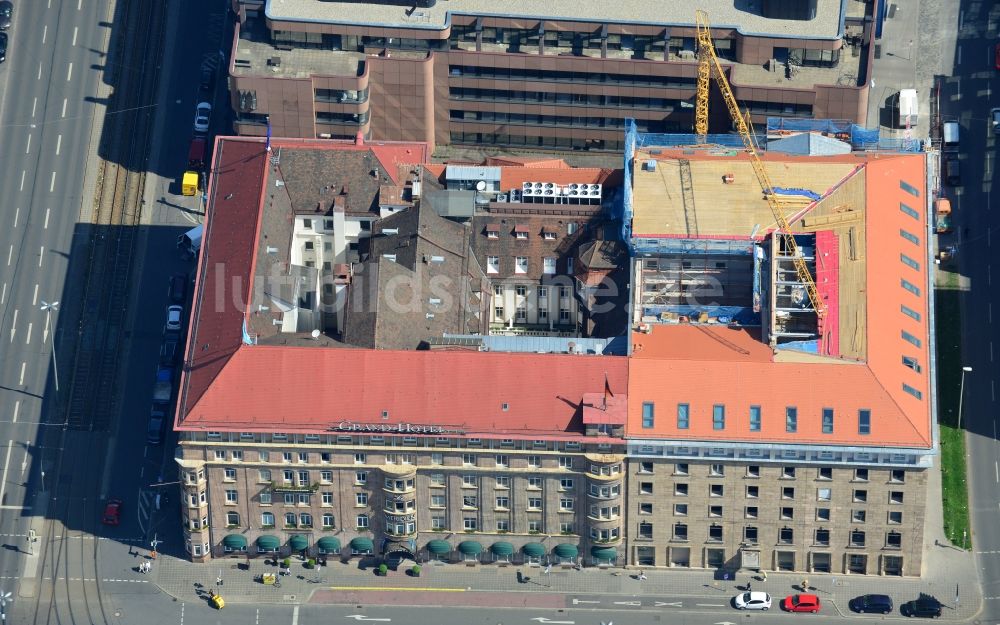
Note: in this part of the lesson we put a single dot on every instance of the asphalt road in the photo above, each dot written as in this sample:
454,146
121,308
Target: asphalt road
46,120
968,95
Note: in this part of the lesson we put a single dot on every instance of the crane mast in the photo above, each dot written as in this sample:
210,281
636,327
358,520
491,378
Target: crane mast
708,64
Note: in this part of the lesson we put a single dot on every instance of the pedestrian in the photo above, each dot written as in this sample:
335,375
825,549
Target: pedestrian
548,568
149,566
763,576
748,586
805,584
642,576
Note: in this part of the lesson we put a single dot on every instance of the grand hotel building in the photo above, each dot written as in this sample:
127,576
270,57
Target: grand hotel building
750,433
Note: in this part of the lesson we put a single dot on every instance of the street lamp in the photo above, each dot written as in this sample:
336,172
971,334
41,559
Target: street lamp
48,308
961,394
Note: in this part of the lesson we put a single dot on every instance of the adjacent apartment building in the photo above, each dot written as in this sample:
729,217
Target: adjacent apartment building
536,74
762,434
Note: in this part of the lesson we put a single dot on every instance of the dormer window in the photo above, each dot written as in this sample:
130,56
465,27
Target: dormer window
492,231
521,233
548,234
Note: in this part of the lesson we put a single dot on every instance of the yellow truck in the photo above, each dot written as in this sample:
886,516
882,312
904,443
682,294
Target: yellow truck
189,184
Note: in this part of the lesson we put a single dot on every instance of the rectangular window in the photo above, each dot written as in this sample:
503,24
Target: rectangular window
909,211
909,188
909,338
492,264
718,417
823,494
755,418
909,286
682,416
822,514
521,264
864,421
549,265
909,312
912,391
912,363
912,238
791,419
828,420
648,414
909,262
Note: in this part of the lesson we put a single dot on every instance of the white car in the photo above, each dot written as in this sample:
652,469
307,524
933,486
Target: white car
202,114
995,120
174,317
752,601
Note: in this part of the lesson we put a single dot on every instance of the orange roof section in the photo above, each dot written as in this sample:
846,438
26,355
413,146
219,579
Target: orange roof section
513,177
308,389
704,366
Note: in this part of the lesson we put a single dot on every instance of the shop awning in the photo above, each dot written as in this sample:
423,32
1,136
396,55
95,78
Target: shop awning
502,549
533,550
565,551
438,547
298,543
268,542
329,544
470,548
604,553
235,541
362,544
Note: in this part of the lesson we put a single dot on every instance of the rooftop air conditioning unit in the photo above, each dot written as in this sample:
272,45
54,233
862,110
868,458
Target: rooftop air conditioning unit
526,185
549,185
502,197
515,195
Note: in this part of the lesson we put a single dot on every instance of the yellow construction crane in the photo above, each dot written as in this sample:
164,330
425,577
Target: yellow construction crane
708,64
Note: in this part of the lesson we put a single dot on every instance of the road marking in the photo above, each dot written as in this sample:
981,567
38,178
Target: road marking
634,603
52,182
24,463
39,71
579,601
41,255
64,107
13,326
993,396
28,335
711,605
22,179
34,298
359,617
540,619
394,589
663,604
27,148
17,409
34,103
17,213
10,255
58,144
996,470
79,3
295,615
3,296
75,29
958,58
24,365
69,73
47,218
3,484
45,32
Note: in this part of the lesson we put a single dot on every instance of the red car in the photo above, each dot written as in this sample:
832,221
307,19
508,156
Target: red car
112,512
801,603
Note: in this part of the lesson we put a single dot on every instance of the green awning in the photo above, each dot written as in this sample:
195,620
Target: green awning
438,547
329,544
470,548
362,544
268,542
298,542
604,553
533,550
565,551
235,541
502,549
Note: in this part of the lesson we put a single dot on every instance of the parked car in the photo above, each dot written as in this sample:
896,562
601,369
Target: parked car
170,348
3,47
174,317
6,14
178,288
995,120
753,600
925,605
877,604
112,512
952,171
996,53
202,116
801,603
207,79
154,428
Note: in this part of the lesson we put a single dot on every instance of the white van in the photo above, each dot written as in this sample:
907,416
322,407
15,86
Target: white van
949,135
907,104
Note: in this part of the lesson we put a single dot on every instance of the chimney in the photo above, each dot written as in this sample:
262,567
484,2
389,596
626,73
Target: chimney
359,139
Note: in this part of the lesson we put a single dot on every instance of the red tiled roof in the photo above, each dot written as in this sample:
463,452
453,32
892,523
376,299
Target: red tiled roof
311,389
526,161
